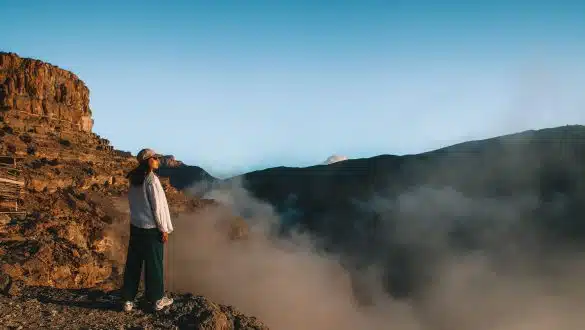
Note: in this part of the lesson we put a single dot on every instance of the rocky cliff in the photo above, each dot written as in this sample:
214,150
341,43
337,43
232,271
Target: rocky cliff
37,95
42,105
72,228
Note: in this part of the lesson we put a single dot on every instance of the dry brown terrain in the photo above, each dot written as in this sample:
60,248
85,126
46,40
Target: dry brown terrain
61,259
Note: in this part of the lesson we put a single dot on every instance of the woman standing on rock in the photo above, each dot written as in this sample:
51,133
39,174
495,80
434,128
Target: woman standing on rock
150,224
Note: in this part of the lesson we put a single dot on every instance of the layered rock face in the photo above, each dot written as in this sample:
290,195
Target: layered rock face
36,94
44,108
46,126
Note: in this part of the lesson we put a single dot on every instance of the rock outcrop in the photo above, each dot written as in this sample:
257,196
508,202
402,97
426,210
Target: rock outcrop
34,94
44,112
170,161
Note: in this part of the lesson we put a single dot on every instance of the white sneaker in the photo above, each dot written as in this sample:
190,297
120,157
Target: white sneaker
128,306
162,303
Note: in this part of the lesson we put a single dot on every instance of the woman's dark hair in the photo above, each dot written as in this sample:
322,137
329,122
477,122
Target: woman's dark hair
138,174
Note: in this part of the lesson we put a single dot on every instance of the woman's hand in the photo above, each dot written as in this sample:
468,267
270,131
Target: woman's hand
164,237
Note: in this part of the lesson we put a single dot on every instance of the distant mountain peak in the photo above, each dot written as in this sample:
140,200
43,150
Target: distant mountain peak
334,159
170,161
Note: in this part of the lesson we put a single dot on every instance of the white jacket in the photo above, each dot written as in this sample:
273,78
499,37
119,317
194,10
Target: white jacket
148,205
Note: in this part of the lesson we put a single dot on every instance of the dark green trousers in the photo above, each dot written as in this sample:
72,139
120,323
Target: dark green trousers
145,247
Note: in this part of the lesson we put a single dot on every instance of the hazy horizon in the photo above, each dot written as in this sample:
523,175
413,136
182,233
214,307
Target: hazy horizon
236,87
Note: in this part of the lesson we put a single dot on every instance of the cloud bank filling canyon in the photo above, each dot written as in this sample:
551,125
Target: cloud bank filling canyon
288,283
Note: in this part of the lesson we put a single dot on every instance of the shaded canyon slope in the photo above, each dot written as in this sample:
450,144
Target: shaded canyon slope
408,212
182,176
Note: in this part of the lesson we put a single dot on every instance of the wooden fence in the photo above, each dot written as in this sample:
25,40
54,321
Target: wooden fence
11,185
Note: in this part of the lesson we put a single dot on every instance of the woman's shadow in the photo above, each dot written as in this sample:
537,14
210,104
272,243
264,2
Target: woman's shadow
83,298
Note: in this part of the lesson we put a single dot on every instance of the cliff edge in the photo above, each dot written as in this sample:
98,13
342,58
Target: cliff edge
63,244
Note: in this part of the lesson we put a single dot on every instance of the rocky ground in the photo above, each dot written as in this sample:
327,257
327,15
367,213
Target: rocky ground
62,260
52,308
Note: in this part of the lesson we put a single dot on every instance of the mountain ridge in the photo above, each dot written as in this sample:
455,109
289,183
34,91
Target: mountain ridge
183,175
529,172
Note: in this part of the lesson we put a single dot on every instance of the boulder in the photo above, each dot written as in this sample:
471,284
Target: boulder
202,314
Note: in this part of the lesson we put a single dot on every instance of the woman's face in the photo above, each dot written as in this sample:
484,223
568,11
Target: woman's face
153,163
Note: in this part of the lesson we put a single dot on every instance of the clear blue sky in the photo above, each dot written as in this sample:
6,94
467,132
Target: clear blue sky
239,85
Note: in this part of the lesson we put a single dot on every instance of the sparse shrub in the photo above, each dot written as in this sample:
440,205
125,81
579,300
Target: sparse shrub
31,150
8,130
25,138
89,171
36,164
65,142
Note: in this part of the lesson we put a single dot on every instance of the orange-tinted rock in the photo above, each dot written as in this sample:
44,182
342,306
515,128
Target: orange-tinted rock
74,234
169,161
32,88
